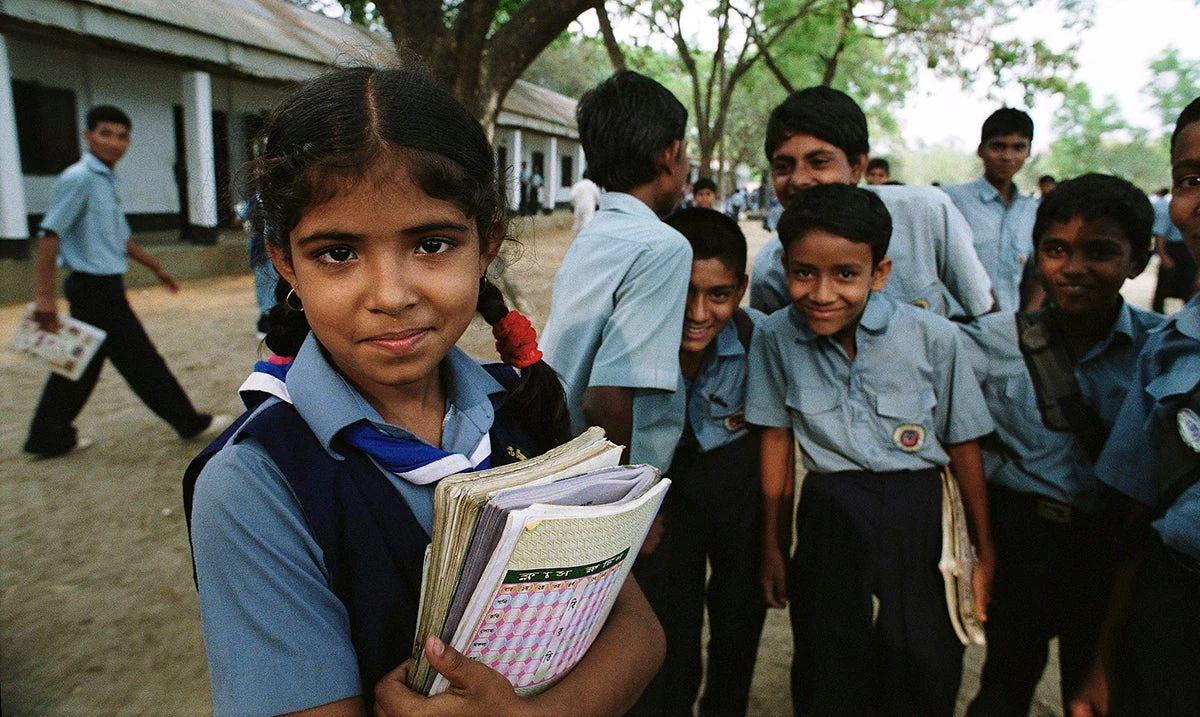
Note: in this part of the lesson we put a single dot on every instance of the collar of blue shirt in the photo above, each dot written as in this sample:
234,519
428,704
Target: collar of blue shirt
627,204
94,164
328,403
988,193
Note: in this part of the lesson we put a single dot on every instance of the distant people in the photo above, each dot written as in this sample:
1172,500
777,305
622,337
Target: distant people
585,200
1176,267
85,229
736,204
526,180
1046,184
880,396
1001,217
819,136
878,171
309,524
535,191
1146,664
1054,380
265,276
704,193
711,512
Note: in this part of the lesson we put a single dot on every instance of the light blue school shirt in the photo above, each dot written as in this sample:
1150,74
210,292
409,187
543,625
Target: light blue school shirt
277,637
1023,454
909,389
1003,234
933,260
85,212
616,319
716,398
1167,369
1163,226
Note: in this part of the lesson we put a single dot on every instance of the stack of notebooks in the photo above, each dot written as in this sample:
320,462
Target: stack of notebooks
527,559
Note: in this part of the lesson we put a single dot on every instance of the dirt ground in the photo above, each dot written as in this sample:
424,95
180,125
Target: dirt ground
98,614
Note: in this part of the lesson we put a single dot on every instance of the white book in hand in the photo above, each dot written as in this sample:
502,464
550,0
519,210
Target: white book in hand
67,351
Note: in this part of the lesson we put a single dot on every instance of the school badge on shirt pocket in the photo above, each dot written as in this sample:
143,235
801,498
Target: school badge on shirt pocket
909,437
1189,428
735,421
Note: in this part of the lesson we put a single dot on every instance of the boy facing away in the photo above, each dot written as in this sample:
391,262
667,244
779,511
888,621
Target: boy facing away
711,514
1001,217
616,311
1150,644
1054,381
881,397
819,136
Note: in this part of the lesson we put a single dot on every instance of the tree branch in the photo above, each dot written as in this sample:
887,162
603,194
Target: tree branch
615,55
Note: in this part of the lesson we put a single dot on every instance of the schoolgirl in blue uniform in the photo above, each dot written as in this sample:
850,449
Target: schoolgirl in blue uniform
880,396
381,212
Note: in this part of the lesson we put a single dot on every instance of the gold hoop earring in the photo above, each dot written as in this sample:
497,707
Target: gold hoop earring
287,300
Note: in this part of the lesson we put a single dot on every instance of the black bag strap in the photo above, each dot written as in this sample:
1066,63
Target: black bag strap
745,327
1052,368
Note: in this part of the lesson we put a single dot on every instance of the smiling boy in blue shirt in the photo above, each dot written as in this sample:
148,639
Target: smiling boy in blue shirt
880,396
711,513
1054,381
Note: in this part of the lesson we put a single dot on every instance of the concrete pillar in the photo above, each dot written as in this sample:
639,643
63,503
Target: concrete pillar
553,181
201,174
516,164
14,224
580,164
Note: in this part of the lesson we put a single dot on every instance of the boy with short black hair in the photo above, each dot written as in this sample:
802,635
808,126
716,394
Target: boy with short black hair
711,513
1150,644
85,230
819,136
1001,217
1054,380
878,172
704,193
881,397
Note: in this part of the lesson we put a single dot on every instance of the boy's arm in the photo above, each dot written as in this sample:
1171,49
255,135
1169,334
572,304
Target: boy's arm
778,489
164,277
966,464
611,408
45,306
608,680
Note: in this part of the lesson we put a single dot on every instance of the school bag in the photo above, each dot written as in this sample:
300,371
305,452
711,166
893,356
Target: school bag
372,543
1052,368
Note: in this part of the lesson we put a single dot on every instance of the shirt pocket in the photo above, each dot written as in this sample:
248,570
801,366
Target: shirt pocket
906,418
817,413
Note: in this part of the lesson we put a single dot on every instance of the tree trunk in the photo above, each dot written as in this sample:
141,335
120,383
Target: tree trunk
615,55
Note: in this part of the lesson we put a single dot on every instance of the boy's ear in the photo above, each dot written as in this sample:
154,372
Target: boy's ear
666,158
879,277
1137,263
741,289
282,265
857,168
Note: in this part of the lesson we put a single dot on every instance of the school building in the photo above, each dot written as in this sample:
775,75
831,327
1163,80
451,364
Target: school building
197,79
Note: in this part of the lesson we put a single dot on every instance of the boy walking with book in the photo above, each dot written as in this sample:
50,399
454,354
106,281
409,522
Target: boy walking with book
881,397
711,513
1054,380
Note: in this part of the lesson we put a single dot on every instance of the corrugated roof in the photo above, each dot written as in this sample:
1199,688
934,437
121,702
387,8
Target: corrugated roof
273,25
537,102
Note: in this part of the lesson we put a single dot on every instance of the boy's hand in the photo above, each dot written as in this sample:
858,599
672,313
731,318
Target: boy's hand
45,313
1091,700
774,577
981,583
168,280
653,536
475,688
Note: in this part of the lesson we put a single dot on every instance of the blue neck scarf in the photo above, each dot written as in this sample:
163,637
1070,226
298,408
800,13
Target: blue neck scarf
411,459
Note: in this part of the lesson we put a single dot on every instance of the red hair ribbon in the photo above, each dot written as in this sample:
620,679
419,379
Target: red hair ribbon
516,341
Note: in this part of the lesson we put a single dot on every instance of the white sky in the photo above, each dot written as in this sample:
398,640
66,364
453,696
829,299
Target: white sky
1114,56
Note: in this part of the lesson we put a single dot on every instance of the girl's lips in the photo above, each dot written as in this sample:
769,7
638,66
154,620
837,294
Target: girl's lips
398,341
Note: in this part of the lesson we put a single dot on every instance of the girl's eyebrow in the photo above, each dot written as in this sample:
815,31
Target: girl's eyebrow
335,235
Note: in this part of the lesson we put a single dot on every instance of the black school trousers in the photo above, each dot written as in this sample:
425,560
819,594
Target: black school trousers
708,559
1157,665
860,536
100,300
1054,570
